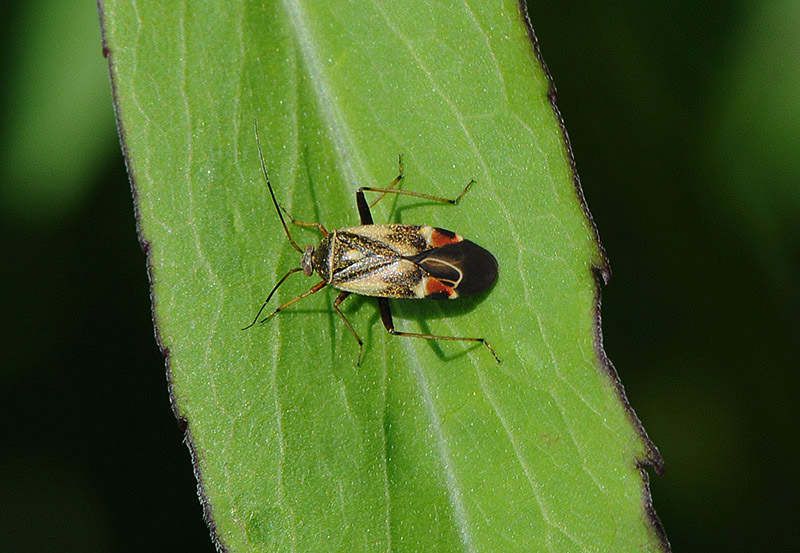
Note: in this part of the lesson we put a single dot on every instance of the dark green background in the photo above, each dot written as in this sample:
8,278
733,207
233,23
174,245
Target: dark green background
685,123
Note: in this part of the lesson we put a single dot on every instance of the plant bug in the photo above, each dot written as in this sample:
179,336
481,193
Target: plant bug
388,261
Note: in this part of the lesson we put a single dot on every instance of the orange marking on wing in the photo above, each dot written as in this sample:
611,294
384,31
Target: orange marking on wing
439,238
435,287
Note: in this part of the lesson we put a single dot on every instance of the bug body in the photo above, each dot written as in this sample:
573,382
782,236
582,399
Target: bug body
403,261
389,261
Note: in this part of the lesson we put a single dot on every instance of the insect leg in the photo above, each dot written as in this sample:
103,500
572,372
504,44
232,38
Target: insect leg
394,182
294,221
339,299
316,288
361,202
386,317
269,297
363,207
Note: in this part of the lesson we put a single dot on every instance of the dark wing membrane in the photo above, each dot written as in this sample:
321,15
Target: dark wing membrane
464,266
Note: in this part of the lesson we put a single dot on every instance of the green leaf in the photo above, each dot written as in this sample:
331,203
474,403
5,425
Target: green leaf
427,446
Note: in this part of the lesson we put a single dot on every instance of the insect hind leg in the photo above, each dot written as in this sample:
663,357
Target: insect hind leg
364,207
391,190
393,183
386,317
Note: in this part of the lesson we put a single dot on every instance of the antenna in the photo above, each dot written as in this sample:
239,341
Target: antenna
271,192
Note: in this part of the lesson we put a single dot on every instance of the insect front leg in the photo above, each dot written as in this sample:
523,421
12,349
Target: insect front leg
386,317
339,299
269,297
294,221
314,289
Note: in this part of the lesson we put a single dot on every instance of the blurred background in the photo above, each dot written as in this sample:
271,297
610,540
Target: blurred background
685,123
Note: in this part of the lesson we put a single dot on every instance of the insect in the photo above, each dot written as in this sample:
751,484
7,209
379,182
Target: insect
388,261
